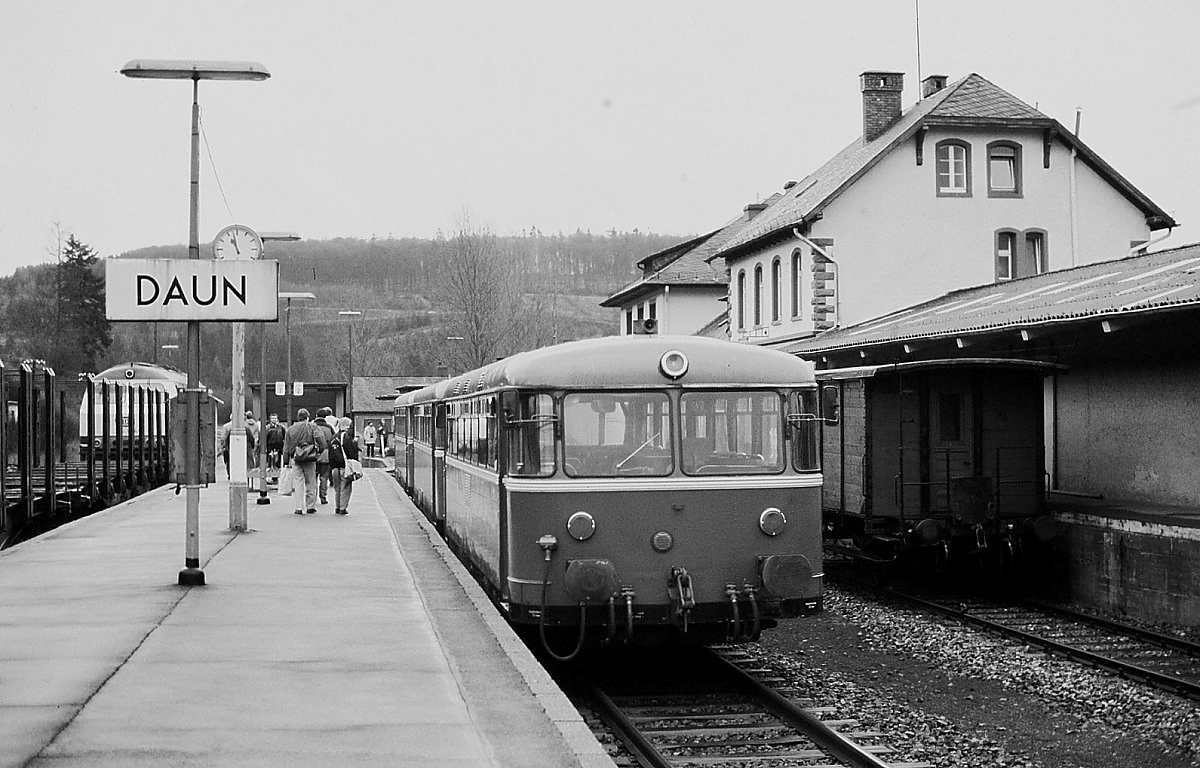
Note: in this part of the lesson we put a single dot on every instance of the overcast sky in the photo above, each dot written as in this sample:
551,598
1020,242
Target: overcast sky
393,118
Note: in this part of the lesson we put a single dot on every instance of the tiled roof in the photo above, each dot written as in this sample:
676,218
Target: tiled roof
1110,289
685,264
367,390
972,100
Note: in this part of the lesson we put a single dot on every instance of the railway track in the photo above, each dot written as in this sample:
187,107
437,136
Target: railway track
1168,663
712,708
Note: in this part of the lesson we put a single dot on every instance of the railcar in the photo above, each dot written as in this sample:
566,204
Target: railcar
116,412
936,463
636,489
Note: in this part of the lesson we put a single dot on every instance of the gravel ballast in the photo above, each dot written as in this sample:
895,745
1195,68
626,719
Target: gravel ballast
952,695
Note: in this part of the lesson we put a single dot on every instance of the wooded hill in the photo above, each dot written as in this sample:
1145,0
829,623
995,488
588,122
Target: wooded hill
405,328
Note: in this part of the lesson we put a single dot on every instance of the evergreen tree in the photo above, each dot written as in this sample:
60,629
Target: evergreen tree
85,333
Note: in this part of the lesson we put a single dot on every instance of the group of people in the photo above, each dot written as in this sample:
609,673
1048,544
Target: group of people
318,451
375,436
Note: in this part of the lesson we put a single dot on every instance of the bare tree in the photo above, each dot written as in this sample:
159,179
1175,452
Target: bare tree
482,288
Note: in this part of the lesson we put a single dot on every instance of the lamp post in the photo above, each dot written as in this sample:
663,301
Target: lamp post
266,237
351,314
287,335
192,575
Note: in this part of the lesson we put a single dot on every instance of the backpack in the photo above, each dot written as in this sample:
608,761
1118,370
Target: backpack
337,457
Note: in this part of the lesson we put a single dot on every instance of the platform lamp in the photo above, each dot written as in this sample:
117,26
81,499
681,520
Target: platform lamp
154,69
350,314
267,237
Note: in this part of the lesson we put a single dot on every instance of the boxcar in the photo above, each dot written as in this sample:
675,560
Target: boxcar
627,489
936,461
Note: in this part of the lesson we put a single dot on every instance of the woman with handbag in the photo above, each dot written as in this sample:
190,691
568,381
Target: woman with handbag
301,445
343,454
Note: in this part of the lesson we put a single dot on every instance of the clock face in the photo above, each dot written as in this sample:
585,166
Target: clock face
237,242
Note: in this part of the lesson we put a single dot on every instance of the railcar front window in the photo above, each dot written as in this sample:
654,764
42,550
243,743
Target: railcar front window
531,438
732,433
617,434
804,418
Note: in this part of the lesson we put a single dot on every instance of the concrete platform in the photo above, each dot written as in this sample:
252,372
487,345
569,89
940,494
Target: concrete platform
318,640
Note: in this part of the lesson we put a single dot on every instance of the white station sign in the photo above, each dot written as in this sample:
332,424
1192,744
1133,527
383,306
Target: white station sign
191,289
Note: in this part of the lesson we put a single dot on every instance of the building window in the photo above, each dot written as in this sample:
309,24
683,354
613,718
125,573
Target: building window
758,288
1006,247
953,168
653,310
1004,169
1035,252
796,262
776,287
741,299
1020,254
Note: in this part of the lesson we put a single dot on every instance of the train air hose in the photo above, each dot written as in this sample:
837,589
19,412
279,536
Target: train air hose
548,545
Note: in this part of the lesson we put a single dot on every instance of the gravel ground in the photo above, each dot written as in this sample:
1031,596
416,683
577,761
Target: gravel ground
955,696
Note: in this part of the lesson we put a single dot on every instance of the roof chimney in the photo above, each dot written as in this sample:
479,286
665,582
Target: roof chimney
753,209
932,85
881,101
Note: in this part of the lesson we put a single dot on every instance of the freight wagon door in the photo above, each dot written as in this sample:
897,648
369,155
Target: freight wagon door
953,448
893,432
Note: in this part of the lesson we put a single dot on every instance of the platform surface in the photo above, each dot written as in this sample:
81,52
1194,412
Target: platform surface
318,640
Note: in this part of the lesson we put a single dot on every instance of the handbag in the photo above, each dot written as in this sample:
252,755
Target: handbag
354,469
287,481
306,453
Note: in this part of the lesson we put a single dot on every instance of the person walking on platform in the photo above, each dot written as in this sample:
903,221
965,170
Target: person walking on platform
302,443
369,438
274,438
325,425
343,450
252,434
226,431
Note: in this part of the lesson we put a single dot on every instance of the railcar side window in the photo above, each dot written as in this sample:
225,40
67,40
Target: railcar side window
732,433
531,436
617,434
804,420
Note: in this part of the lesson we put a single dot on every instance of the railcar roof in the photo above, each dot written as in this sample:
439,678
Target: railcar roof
626,361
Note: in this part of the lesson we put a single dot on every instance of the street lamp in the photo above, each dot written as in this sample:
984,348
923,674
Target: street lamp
350,313
287,335
192,575
266,237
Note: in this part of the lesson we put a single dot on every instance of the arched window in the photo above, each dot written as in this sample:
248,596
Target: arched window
797,260
758,289
741,299
1004,169
1006,251
1020,254
776,288
953,168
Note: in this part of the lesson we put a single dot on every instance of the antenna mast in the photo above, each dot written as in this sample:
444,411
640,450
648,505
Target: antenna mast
917,15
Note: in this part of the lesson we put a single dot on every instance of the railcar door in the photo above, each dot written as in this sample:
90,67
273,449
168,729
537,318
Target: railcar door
439,466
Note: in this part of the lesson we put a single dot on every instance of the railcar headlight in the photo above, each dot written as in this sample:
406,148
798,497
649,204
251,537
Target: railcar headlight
772,521
662,542
673,364
581,526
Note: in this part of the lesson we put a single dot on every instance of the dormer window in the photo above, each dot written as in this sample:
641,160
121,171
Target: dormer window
1004,169
953,168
